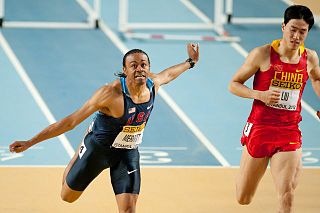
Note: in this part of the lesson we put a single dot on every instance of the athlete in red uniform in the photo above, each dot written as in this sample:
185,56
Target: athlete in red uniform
281,70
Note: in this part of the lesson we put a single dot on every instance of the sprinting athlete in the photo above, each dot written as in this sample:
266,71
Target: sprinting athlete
123,108
271,134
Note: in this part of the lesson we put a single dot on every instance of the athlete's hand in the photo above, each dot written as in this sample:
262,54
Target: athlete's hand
19,146
193,52
269,96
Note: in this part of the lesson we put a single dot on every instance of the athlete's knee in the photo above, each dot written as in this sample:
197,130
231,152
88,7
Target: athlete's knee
67,198
244,199
68,195
128,209
286,197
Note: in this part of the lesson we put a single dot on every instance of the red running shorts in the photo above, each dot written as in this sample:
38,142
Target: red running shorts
264,141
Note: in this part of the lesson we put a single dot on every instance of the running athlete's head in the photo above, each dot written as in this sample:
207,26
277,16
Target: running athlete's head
136,64
298,20
299,12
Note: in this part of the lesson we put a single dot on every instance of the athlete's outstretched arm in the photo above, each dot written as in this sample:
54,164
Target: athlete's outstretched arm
173,72
64,125
314,73
247,70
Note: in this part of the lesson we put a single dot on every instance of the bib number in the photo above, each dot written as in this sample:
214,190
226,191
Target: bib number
129,138
288,99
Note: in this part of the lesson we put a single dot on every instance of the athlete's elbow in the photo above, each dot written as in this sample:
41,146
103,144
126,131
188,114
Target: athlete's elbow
231,87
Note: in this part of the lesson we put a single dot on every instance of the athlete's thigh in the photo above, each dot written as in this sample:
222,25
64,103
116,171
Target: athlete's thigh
125,172
285,169
91,160
250,172
66,192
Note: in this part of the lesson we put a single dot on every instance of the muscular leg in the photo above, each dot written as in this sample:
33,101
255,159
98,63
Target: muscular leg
251,172
285,170
67,194
127,202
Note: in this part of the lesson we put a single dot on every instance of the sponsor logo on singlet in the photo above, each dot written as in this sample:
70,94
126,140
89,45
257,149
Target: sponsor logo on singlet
289,84
130,137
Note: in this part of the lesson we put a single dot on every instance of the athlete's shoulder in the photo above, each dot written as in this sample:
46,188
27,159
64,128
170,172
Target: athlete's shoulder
260,54
312,54
262,50
110,90
313,59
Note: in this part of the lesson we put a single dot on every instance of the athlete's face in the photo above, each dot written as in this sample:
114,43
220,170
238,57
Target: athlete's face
295,32
137,67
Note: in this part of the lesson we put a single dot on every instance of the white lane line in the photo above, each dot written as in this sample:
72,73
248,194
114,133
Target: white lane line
196,11
34,92
12,156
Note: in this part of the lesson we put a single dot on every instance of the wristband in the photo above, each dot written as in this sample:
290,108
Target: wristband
191,62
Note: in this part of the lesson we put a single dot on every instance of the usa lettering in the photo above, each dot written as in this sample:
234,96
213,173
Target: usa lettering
142,116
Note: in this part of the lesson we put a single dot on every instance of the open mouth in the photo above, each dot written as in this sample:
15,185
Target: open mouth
140,75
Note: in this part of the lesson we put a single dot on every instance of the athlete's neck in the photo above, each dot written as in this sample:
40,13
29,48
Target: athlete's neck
137,92
287,54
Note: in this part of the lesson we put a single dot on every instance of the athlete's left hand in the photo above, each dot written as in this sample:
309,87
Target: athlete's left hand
193,52
19,146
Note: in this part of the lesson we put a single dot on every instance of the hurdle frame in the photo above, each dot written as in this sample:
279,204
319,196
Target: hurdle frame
92,19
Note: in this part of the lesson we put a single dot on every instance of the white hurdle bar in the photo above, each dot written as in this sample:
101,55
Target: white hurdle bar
215,25
92,21
148,36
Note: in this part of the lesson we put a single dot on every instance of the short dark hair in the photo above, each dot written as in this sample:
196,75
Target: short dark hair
132,52
121,74
299,12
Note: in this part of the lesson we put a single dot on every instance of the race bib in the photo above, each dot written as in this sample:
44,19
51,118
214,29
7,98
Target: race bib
288,99
130,137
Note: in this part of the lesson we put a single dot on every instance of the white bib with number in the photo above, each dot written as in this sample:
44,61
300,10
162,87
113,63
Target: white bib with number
130,137
288,99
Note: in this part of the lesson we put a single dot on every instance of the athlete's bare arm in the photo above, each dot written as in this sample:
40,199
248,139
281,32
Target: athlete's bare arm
314,72
173,72
100,100
258,59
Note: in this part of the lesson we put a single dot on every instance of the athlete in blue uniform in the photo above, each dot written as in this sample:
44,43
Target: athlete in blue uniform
123,108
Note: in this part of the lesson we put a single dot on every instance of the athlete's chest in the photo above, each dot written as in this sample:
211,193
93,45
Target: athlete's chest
136,114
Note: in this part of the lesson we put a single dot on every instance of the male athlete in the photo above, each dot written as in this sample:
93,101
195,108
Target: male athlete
271,134
123,108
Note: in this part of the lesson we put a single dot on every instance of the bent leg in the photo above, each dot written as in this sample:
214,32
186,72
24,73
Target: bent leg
87,163
251,172
127,202
67,194
285,170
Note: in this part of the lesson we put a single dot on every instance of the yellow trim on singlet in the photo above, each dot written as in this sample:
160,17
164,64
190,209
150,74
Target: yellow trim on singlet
276,43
